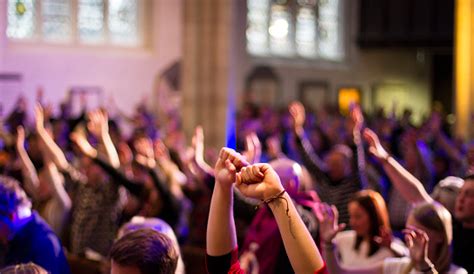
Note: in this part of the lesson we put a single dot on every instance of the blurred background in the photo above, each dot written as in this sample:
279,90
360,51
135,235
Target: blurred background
205,59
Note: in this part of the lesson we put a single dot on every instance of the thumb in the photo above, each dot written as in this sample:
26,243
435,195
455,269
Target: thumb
341,227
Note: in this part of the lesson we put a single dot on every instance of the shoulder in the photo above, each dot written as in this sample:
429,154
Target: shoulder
454,269
344,236
395,265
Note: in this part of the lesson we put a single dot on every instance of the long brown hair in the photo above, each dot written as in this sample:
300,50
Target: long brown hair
374,204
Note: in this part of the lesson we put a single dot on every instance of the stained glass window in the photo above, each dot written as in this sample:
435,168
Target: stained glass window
21,19
309,29
123,21
56,17
79,21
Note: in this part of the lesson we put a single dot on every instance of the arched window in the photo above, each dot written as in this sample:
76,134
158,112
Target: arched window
308,29
114,22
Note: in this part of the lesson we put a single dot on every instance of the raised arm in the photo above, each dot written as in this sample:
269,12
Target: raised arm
30,176
310,159
221,237
56,183
358,121
260,181
408,185
52,150
198,146
99,127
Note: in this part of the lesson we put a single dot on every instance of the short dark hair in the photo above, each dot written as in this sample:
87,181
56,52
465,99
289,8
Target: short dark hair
12,195
147,249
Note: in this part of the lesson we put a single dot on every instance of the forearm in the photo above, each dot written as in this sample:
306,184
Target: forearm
299,245
408,185
221,236
112,155
53,150
28,169
361,163
56,182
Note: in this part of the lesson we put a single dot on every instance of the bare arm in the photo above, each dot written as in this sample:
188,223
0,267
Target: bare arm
221,237
358,120
52,150
260,181
98,125
28,170
408,185
56,183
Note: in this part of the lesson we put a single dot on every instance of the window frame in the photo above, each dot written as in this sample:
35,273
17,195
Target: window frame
38,39
298,60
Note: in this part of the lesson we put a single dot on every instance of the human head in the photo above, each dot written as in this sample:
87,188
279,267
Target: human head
144,251
338,162
29,268
368,215
14,206
290,173
435,220
446,192
464,209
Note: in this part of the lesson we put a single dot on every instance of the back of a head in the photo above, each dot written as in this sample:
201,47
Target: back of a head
290,173
12,196
447,190
150,251
437,218
29,268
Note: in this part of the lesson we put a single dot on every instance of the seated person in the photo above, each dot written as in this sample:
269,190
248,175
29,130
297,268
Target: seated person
257,181
144,251
26,235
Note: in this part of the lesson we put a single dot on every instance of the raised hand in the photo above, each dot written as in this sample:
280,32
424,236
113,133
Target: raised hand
328,222
98,123
228,164
145,153
356,116
375,147
39,117
79,138
417,242
253,148
298,114
259,181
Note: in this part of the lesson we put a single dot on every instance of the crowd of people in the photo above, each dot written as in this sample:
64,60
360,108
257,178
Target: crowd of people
302,191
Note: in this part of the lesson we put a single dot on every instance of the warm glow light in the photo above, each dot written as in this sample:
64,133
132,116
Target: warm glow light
346,97
463,63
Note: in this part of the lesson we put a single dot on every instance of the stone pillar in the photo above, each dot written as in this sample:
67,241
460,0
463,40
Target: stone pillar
464,67
207,68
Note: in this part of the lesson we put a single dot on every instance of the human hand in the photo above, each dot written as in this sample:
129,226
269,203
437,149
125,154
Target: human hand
417,242
98,123
328,222
356,116
253,148
298,114
80,139
375,147
228,164
259,181
385,237
39,117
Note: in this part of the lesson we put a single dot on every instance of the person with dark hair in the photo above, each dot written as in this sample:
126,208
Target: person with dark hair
144,251
29,268
25,235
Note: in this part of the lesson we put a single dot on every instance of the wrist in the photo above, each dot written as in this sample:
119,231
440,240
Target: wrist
425,266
